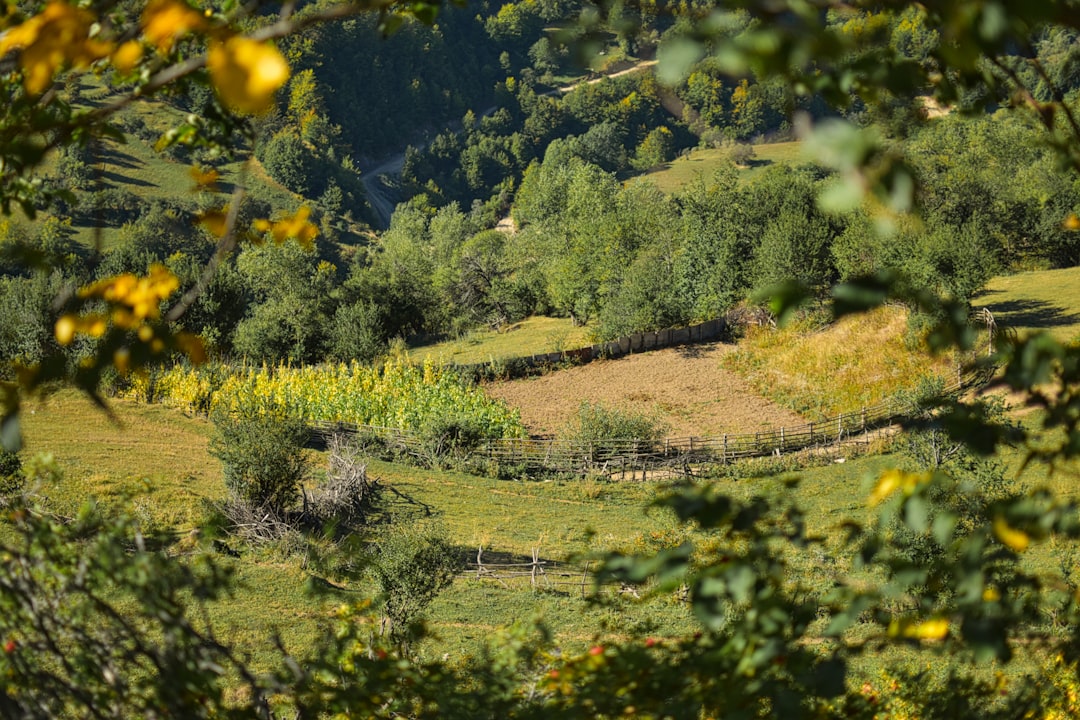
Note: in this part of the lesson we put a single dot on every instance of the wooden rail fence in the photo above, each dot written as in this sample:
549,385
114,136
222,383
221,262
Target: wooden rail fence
619,457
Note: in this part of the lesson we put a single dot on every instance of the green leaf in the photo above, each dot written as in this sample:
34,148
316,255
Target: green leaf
675,58
784,299
917,513
11,432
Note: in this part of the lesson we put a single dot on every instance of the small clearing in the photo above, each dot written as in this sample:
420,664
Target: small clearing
686,387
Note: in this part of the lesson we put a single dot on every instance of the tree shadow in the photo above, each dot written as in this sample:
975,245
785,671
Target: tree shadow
112,156
1033,314
119,179
393,505
693,351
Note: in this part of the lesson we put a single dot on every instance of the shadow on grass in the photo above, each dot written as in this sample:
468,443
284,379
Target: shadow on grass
1037,314
393,505
112,156
122,180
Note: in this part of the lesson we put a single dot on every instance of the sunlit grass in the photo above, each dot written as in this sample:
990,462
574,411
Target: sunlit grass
533,336
852,364
701,163
1042,300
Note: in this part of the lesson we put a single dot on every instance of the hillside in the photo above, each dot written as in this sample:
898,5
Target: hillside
685,387
701,163
1041,300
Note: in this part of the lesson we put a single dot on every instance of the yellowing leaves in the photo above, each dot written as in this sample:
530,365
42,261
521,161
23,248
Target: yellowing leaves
133,300
133,303
246,73
127,56
893,480
297,227
138,297
59,35
166,21
1010,537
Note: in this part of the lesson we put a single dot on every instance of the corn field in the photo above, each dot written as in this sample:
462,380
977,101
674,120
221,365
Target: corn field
397,395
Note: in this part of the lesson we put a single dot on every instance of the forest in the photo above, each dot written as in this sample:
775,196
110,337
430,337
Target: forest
193,235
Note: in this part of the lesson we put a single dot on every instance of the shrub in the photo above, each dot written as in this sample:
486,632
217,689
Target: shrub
262,458
412,565
451,436
11,477
597,428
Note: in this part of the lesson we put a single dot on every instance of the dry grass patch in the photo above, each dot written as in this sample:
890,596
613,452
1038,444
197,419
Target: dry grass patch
685,387
854,363
152,452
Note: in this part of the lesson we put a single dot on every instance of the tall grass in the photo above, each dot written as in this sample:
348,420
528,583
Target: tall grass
855,363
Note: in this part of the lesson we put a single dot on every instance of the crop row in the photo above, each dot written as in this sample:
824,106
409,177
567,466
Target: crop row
395,395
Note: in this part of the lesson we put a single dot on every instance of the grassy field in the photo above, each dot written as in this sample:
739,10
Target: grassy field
1043,300
533,336
703,162
157,459
820,373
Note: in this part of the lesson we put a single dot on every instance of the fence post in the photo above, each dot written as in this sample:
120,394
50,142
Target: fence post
535,563
811,433
479,561
864,419
724,455
839,427
584,576
781,439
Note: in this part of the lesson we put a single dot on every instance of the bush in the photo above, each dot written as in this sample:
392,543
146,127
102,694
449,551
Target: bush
262,458
451,436
11,477
596,428
412,565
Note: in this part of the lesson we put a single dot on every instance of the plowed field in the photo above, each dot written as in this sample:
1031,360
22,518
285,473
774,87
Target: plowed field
685,387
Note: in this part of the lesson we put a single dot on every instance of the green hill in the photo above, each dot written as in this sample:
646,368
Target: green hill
703,162
1040,300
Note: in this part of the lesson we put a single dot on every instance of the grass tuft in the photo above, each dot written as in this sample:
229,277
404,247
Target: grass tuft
820,373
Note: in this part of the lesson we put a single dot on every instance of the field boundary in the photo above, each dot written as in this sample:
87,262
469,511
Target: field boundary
628,458
514,367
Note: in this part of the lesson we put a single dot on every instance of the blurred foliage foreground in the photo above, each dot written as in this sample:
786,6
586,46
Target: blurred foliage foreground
96,622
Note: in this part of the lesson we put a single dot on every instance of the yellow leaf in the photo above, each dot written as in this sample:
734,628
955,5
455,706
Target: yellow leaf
246,73
127,56
65,329
893,480
192,346
1071,222
166,21
1015,540
933,629
204,180
296,228
216,221
57,36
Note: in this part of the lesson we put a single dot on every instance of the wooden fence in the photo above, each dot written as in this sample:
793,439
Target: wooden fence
638,342
619,457
539,573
